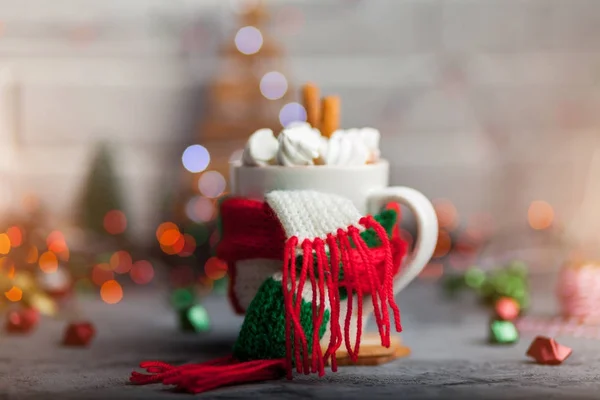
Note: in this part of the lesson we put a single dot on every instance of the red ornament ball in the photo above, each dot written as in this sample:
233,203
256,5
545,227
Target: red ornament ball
507,309
22,321
79,334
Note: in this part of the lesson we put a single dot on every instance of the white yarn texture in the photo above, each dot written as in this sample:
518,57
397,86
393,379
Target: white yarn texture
305,214
308,214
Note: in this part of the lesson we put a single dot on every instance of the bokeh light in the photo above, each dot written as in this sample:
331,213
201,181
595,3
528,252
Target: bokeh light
174,248
195,158
14,294
165,226
56,242
292,112
115,222
215,268
200,209
168,234
15,235
446,213
121,262
236,156
141,272
4,243
444,244
189,246
540,215
32,255
212,184
48,262
102,273
56,281
273,85
111,292
248,40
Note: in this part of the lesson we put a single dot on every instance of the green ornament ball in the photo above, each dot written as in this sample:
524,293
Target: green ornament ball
194,319
503,332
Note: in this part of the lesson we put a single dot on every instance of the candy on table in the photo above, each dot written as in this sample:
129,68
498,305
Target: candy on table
507,309
194,319
22,321
503,332
547,351
79,334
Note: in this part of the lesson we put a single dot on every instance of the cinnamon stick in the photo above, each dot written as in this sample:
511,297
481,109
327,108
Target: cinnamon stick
312,103
331,115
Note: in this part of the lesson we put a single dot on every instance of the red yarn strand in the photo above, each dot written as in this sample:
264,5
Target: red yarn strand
319,247
288,265
304,366
377,291
335,340
370,222
355,287
307,249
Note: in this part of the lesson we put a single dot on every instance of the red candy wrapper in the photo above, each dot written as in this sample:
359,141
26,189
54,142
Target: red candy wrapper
22,321
79,334
546,351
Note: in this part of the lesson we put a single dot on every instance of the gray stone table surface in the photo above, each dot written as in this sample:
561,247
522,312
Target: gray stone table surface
450,357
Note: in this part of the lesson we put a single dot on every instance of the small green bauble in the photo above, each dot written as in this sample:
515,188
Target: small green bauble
194,319
503,332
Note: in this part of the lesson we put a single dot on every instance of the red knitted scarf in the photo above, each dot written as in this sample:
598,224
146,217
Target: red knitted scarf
250,229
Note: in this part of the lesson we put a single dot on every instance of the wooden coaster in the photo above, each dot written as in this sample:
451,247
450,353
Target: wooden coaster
401,351
372,352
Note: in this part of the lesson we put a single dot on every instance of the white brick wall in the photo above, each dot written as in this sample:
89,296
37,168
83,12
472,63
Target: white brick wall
483,102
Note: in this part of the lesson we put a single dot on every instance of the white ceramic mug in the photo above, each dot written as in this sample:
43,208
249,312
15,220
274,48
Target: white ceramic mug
367,187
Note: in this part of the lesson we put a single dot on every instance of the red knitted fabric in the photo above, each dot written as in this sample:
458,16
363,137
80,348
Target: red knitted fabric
251,230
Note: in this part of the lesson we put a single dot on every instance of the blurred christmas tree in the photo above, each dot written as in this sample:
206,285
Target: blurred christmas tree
101,210
250,93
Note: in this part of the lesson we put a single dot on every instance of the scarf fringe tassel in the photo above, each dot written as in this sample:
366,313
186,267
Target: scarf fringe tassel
199,378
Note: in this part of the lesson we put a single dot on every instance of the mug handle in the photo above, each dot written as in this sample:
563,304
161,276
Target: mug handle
427,226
